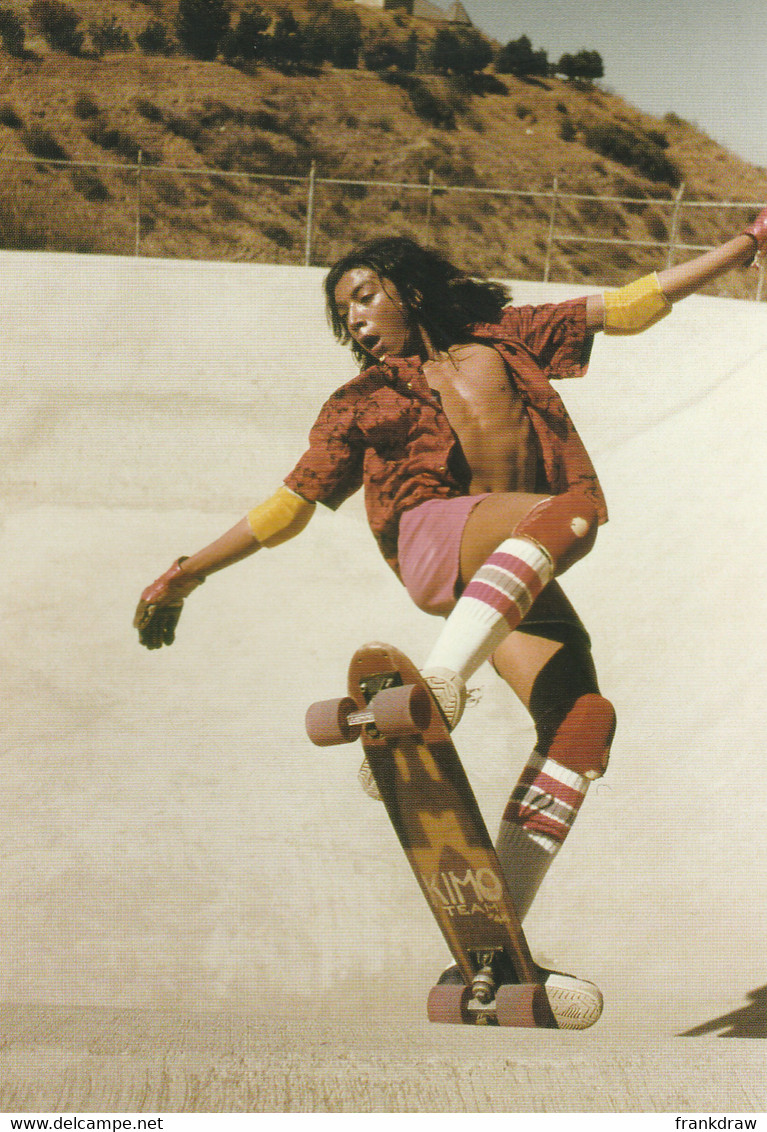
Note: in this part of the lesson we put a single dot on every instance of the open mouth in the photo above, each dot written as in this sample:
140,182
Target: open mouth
369,342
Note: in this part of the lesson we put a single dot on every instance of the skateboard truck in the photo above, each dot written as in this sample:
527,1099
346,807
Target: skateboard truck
391,713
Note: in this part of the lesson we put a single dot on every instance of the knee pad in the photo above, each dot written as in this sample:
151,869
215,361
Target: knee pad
565,526
582,740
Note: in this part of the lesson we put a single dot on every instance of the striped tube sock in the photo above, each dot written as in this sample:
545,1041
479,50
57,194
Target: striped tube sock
492,606
537,819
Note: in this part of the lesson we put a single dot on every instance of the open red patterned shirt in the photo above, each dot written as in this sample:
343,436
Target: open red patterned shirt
385,428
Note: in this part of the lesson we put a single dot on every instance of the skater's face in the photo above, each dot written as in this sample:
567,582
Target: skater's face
374,314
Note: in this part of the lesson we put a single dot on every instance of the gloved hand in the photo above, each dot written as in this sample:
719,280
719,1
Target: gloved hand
159,609
759,232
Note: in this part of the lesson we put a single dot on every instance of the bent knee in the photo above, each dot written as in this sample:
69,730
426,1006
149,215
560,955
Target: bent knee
583,739
564,525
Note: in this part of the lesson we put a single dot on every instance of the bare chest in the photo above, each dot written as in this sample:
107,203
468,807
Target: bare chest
487,414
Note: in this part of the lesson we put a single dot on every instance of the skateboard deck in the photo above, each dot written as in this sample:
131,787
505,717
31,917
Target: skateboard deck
435,815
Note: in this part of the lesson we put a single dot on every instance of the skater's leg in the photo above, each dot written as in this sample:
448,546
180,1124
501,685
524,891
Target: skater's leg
512,547
554,676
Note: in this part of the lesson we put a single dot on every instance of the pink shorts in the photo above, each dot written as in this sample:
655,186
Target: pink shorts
429,549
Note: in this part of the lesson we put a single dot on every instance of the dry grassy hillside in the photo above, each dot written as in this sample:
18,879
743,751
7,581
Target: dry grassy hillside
211,117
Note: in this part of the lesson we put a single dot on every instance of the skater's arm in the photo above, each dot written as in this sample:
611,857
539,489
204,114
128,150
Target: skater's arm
269,524
637,306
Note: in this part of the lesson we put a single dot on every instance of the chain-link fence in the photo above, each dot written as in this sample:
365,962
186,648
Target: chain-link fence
307,242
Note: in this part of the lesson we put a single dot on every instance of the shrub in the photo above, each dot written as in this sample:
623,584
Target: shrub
109,35
635,150
201,25
278,235
89,185
154,39
184,126
427,105
9,117
41,143
58,24
111,138
12,32
567,130
149,110
85,107
659,138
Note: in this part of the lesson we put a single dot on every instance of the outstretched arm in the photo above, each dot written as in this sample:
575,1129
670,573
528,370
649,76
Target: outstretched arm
273,522
634,308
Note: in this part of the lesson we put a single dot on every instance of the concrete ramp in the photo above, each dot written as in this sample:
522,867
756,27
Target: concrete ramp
202,912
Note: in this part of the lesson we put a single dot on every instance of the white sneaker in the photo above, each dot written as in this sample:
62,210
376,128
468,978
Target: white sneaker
449,690
575,1003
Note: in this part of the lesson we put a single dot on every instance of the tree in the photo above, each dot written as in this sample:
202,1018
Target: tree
518,58
108,34
333,34
59,25
381,52
201,25
154,39
246,42
583,65
460,51
287,47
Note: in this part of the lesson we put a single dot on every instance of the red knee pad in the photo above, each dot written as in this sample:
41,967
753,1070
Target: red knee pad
564,525
583,738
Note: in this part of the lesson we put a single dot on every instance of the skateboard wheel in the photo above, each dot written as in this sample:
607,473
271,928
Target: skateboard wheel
401,711
523,1004
448,1003
326,722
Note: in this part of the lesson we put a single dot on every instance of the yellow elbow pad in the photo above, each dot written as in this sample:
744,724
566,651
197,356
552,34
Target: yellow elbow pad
280,518
635,307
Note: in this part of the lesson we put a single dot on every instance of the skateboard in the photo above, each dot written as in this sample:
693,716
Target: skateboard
435,815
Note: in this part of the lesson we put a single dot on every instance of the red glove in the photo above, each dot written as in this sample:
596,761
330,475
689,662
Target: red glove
160,606
759,232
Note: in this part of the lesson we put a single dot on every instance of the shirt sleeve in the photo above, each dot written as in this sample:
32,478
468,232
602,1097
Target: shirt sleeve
556,335
331,468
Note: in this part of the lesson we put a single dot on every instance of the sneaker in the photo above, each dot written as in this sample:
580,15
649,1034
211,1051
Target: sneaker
575,1003
367,782
449,691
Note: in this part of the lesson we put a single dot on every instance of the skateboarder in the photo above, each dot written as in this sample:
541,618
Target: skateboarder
479,493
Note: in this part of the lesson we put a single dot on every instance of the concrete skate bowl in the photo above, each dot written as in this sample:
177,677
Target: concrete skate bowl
202,911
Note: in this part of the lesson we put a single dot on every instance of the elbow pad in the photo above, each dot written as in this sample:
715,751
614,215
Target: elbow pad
280,518
635,307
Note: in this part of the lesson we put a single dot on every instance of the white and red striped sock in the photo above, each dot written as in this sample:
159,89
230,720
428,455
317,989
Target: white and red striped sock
539,815
492,606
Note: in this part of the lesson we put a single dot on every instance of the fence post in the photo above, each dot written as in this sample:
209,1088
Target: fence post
310,215
550,241
138,203
674,235
429,205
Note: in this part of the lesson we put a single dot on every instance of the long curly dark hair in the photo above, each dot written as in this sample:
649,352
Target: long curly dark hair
444,299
